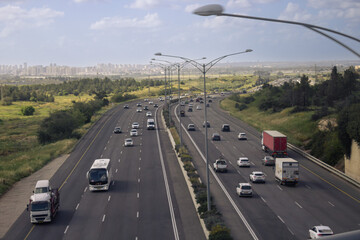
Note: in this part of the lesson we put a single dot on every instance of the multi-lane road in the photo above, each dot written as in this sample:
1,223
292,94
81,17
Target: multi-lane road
147,199
274,212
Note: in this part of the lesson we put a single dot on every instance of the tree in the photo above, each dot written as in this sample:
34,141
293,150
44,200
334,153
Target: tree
27,110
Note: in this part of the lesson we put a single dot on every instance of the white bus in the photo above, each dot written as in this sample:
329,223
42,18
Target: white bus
99,175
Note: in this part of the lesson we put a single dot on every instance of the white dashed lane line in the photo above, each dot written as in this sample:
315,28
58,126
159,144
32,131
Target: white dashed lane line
66,229
77,206
331,204
298,204
103,219
279,187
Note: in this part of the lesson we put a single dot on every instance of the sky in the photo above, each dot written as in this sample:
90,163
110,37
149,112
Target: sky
87,32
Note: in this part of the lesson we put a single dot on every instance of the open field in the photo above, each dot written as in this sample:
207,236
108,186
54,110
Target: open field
297,126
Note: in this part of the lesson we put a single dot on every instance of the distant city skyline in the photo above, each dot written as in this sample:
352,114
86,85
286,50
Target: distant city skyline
84,33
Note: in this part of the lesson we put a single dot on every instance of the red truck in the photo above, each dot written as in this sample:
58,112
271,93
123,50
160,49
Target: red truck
274,142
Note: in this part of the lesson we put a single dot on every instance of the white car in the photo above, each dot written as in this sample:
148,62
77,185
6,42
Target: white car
243,162
244,189
148,114
129,142
138,110
151,103
133,132
320,231
257,176
242,136
135,125
198,107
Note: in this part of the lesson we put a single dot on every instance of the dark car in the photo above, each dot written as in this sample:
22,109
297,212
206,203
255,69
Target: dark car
216,137
117,130
210,101
156,105
126,106
138,105
268,161
146,108
225,128
208,124
190,110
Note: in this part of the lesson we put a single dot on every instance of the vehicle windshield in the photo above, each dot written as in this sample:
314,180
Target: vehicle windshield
39,206
221,162
98,176
246,187
41,190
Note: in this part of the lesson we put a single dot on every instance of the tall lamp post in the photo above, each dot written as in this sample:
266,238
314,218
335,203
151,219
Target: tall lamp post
218,10
204,68
163,66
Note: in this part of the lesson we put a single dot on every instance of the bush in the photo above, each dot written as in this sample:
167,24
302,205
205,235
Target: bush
27,110
241,106
219,232
213,220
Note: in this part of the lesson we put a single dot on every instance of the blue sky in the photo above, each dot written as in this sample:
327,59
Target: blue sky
87,32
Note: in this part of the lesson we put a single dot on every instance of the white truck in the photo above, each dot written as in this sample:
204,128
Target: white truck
44,203
220,165
287,171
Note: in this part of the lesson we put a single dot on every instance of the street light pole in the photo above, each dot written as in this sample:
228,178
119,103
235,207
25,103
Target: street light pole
218,10
204,68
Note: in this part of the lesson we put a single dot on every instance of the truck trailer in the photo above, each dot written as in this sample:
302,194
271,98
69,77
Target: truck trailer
274,142
287,171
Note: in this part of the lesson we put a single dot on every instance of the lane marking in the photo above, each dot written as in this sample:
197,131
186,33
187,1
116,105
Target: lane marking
281,219
101,156
116,170
355,199
308,186
77,206
263,199
331,204
113,182
139,159
139,168
119,160
66,229
138,180
103,219
109,198
298,204
104,148
85,189
138,195
137,214
279,187
291,231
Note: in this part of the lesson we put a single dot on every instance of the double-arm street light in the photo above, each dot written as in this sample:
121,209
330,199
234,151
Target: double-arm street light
218,10
204,68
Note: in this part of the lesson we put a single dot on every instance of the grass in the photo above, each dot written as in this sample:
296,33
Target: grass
297,126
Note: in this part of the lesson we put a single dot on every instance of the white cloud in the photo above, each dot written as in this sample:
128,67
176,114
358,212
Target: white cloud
149,21
15,18
349,9
295,13
144,4
190,8
247,3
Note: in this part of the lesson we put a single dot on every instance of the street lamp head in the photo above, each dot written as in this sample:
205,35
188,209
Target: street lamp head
153,59
158,54
248,50
208,10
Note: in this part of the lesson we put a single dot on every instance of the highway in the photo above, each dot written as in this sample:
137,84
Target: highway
274,212
147,199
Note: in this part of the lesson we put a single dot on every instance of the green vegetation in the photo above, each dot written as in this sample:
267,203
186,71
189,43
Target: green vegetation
323,118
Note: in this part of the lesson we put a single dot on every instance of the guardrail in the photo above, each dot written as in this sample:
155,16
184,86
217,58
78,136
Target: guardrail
324,165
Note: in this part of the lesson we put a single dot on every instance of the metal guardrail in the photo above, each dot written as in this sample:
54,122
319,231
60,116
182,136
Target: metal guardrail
324,165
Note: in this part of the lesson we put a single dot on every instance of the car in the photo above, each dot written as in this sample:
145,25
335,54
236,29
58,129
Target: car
244,189
146,108
191,127
151,102
133,132
216,137
126,106
190,109
320,231
182,103
135,125
146,100
242,136
208,124
268,161
138,110
156,105
225,128
117,130
149,114
207,105
210,101
191,105
138,105
128,142
257,176
198,107
243,162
